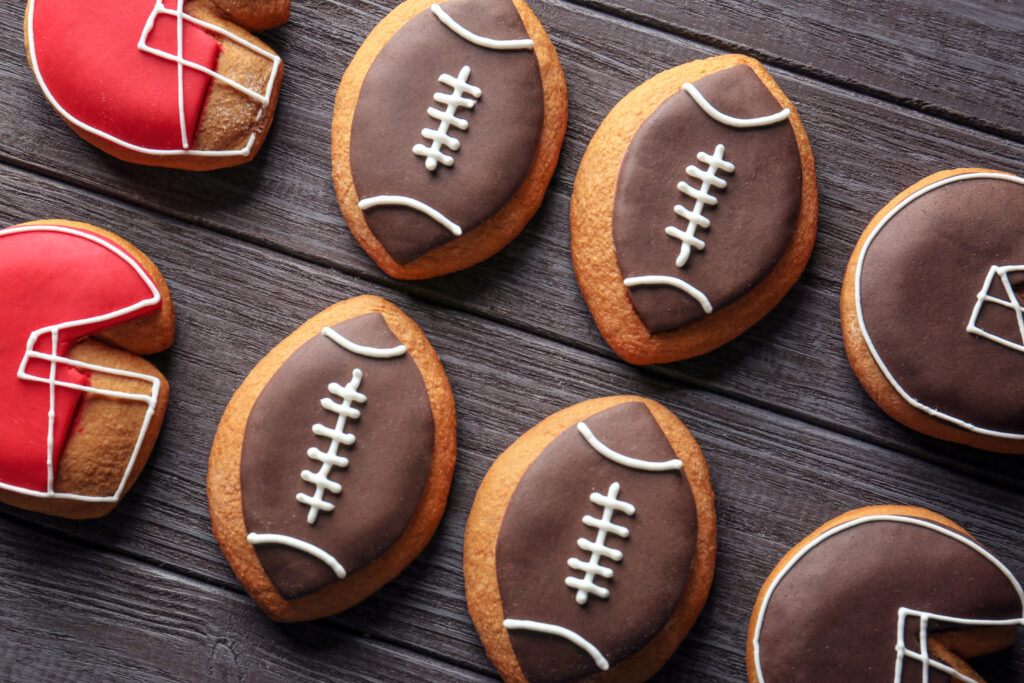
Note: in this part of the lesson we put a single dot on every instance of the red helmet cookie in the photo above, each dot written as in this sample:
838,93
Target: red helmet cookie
60,283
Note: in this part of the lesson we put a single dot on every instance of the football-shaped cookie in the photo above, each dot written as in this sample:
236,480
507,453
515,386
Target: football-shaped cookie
591,544
331,465
447,128
79,412
694,209
933,319
160,82
882,594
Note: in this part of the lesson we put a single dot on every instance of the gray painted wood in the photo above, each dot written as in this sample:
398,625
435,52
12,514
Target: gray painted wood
250,253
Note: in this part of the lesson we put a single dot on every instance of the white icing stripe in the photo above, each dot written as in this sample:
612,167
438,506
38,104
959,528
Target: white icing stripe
410,203
888,518
598,549
452,101
330,459
625,460
54,331
732,121
297,544
359,349
860,310
562,632
262,98
478,40
697,295
702,196
1011,301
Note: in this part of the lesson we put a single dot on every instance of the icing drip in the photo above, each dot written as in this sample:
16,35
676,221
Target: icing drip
453,101
338,436
597,548
702,197
1011,301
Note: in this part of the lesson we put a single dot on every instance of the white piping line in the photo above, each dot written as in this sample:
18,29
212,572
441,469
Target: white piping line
698,295
1010,302
410,203
625,460
298,544
478,40
863,520
562,632
709,109
860,311
263,99
359,349
54,331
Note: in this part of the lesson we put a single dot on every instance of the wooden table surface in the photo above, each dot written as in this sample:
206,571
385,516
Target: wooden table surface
889,91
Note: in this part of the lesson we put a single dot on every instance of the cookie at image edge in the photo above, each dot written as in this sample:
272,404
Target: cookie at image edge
590,548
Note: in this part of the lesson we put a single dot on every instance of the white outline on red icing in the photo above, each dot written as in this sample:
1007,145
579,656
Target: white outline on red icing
54,331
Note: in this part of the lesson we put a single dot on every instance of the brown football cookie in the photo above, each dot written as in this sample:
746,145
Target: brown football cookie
331,466
79,410
447,127
590,548
882,593
932,315
160,82
694,211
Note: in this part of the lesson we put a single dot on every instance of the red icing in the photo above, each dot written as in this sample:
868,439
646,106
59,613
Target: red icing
86,54
48,278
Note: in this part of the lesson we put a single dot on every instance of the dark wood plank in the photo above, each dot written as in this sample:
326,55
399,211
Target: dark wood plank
960,60
776,477
792,362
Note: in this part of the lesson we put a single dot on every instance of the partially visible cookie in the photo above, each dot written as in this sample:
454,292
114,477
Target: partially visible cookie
694,210
331,465
165,83
932,314
590,548
447,128
880,594
79,410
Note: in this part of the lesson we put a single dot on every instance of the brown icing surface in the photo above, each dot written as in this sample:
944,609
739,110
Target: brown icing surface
389,462
496,150
834,614
756,214
919,284
539,534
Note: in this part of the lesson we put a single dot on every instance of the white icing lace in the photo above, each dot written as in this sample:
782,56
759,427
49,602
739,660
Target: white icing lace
453,101
338,436
702,197
597,548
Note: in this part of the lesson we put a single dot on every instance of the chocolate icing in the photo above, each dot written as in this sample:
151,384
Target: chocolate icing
834,615
756,214
389,463
544,520
495,152
919,283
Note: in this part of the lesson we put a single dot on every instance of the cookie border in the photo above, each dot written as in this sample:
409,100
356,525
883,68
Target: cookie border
495,233
223,484
483,598
593,250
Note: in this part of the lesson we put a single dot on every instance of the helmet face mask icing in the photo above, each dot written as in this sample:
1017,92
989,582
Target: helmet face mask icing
83,284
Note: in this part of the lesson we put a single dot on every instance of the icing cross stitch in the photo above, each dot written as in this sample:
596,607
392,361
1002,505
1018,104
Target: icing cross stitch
597,548
453,101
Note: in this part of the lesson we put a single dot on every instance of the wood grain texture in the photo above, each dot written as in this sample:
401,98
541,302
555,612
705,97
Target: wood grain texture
249,253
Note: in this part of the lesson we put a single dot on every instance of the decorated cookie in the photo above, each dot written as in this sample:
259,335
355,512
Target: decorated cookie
447,128
885,593
591,544
330,469
160,82
932,313
79,411
694,210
